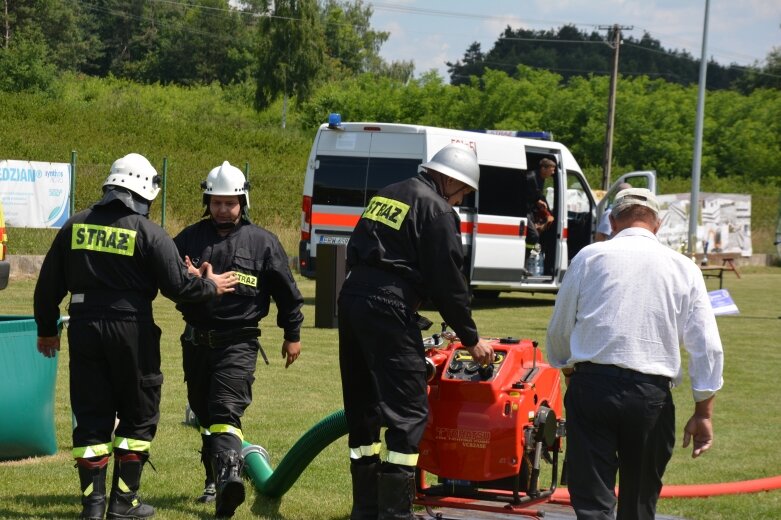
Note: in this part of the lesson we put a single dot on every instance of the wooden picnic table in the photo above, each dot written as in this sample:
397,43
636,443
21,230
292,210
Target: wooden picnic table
717,271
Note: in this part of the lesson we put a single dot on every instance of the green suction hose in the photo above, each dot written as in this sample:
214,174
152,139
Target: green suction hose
275,483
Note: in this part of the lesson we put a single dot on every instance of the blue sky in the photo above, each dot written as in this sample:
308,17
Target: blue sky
432,32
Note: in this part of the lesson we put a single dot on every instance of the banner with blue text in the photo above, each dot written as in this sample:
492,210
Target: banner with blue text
35,194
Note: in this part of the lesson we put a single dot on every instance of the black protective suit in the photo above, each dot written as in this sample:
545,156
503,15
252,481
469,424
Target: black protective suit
113,260
405,248
220,342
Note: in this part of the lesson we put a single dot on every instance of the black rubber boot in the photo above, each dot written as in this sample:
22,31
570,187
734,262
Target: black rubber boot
124,501
209,489
364,490
227,466
395,492
92,475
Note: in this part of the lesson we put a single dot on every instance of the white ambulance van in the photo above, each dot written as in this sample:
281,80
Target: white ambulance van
350,162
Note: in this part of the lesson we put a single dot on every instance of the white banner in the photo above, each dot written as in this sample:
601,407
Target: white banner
35,194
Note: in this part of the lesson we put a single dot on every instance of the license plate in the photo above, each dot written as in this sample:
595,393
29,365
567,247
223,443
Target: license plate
334,240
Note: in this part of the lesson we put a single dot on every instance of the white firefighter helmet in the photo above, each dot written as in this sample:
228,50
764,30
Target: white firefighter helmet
226,180
457,161
134,172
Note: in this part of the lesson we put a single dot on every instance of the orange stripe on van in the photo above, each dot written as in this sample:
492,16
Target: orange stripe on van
498,229
334,219
467,227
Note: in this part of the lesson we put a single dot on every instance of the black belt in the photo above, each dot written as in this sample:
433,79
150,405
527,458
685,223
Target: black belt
586,367
220,338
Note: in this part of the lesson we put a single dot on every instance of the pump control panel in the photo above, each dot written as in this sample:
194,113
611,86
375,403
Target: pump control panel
464,368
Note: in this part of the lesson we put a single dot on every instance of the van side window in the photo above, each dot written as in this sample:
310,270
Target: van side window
384,171
352,181
339,181
500,190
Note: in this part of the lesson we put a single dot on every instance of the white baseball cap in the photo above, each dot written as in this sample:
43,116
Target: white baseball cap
635,197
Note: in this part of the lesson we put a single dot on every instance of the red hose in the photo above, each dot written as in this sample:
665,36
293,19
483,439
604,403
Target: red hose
561,495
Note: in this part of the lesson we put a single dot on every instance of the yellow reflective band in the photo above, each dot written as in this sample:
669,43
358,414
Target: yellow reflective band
226,428
132,444
247,279
104,239
403,459
386,211
97,450
204,431
122,486
365,451
88,491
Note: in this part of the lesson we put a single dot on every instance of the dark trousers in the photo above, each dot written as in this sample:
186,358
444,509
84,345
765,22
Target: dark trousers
617,424
383,372
548,244
114,373
219,380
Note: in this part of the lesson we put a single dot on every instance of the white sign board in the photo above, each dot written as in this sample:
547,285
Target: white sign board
724,224
722,303
35,194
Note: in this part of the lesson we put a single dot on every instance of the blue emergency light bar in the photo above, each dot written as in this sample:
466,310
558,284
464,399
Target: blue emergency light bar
543,134
334,121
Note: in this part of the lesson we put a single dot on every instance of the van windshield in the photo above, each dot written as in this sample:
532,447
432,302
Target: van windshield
352,181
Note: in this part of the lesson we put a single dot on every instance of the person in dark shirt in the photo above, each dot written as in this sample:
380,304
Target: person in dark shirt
113,259
541,229
405,248
220,342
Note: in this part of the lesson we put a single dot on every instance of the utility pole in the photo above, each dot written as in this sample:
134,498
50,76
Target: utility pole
694,202
7,25
611,102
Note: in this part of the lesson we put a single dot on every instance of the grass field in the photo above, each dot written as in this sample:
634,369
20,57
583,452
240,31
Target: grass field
289,402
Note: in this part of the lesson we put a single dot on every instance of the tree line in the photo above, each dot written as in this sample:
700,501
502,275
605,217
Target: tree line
284,46
573,53
324,56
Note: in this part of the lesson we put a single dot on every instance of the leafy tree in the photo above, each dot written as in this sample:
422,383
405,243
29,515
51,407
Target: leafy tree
25,64
767,76
291,51
473,64
207,42
60,25
349,38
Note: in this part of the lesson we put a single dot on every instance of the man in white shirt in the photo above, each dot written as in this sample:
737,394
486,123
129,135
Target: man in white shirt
623,310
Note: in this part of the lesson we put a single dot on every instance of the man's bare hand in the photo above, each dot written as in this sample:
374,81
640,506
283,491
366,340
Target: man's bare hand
191,268
291,350
482,352
48,345
225,282
701,430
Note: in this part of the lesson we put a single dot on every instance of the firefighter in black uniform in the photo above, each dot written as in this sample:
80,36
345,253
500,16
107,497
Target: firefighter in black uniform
220,341
405,248
113,259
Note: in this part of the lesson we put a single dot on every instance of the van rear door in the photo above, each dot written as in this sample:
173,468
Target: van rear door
499,234
350,166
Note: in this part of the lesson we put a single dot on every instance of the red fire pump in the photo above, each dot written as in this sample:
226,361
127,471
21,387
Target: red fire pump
490,428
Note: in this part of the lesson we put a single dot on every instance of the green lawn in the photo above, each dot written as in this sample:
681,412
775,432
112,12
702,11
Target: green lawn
288,402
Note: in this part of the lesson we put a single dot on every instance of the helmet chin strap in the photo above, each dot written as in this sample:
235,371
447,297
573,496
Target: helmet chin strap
440,182
224,225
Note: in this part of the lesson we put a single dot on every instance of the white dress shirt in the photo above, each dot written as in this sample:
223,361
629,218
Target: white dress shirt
632,302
